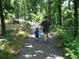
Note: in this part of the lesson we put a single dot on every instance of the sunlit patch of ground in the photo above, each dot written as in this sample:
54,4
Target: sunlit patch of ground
29,45
39,51
57,57
52,56
33,36
48,57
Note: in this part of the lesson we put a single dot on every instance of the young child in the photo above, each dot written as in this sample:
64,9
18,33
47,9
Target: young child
36,33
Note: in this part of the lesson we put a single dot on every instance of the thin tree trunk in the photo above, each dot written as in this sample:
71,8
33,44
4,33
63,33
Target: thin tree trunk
49,10
75,18
69,4
2,18
59,13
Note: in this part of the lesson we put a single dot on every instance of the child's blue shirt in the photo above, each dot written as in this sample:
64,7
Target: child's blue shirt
37,33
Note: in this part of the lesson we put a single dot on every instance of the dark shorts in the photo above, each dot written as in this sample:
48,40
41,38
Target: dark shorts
45,30
37,36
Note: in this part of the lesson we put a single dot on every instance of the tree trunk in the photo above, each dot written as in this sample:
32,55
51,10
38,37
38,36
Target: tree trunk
75,17
2,18
49,10
69,4
59,13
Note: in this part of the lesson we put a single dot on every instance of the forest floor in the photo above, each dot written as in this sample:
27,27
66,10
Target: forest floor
38,49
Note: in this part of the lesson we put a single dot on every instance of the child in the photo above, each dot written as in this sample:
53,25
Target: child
36,33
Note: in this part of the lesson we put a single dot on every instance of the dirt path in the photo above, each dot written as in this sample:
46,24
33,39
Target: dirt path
37,49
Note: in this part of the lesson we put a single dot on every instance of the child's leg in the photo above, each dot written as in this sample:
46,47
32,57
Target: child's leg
36,38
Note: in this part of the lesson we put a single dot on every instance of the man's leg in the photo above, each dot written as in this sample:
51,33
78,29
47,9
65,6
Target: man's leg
33,30
45,36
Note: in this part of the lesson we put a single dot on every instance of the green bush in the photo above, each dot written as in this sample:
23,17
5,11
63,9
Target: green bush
70,45
12,44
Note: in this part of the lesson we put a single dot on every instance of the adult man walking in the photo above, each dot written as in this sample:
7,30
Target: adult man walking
45,25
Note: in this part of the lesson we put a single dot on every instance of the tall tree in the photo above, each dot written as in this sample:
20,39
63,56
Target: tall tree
59,13
69,4
75,17
49,9
2,18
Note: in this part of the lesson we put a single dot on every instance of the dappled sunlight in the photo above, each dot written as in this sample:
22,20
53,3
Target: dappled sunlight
29,46
53,34
57,57
3,40
42,52
39,29
21,32
49,36
3,43
52,56
39,51
31,36
30,55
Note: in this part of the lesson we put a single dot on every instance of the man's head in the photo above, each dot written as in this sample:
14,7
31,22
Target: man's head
45,17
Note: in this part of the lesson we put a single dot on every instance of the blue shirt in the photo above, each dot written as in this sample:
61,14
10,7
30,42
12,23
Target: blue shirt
36,33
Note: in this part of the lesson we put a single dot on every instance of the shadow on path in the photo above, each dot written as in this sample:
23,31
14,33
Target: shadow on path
37,49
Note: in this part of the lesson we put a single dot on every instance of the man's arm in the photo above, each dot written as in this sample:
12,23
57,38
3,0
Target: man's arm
49,23
42,23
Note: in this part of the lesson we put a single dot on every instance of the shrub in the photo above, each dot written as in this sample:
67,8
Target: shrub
70,45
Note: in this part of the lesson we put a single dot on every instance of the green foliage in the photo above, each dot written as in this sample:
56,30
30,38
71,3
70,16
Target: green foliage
8,8
36,9
70,45
11,44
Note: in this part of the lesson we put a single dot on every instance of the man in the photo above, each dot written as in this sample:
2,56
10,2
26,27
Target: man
45,25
